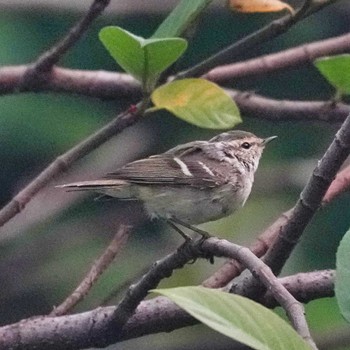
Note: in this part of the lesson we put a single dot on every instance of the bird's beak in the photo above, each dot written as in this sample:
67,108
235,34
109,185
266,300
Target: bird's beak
268,140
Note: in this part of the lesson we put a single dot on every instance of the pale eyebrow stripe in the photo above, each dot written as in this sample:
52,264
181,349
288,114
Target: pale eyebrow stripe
183,166
206,168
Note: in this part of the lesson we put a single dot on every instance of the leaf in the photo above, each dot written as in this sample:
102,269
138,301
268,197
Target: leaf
259,6
336,70
161,53
145,59
198,102
125,48
342,279
236,317
184,14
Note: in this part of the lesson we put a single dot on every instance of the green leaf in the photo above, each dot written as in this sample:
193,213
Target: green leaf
184,14
198,102
336,70
145,59
125,48
342,279
160,54
236,317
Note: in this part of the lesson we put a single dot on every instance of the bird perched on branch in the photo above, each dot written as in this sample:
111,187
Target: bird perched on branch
190,184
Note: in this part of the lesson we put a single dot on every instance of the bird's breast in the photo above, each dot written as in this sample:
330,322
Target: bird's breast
194,205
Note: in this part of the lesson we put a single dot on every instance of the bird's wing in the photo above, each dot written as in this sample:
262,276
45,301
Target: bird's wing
187,148
167,169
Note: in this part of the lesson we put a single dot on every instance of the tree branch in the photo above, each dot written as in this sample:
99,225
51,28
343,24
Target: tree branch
99,84
283,110
62,163
45,62
137,292
108,85
266,64
233,268
305,286
95,272
310,198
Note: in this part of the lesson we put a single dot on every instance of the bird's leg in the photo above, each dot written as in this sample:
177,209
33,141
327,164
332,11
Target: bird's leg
204,234
183,234
187,238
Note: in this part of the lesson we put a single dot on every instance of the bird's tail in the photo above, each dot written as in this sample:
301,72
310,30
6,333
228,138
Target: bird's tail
114,188
93,185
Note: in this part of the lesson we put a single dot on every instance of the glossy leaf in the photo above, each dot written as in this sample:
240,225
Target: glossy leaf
236,317
336,70
342,280
259,6
145,59
198,102
183,15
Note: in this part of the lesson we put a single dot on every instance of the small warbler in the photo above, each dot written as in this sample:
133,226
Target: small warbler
190,184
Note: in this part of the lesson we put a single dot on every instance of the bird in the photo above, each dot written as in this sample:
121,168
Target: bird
190,184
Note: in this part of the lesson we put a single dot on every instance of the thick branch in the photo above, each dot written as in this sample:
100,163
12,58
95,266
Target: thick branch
108,85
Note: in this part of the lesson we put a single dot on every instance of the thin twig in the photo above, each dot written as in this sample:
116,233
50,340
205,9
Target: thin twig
48,59
293,57
95,272
272,30
233,268
62,163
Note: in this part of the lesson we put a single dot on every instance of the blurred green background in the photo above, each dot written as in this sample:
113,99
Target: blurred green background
47,249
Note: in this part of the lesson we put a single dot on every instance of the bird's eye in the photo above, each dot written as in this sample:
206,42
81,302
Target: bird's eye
246,145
